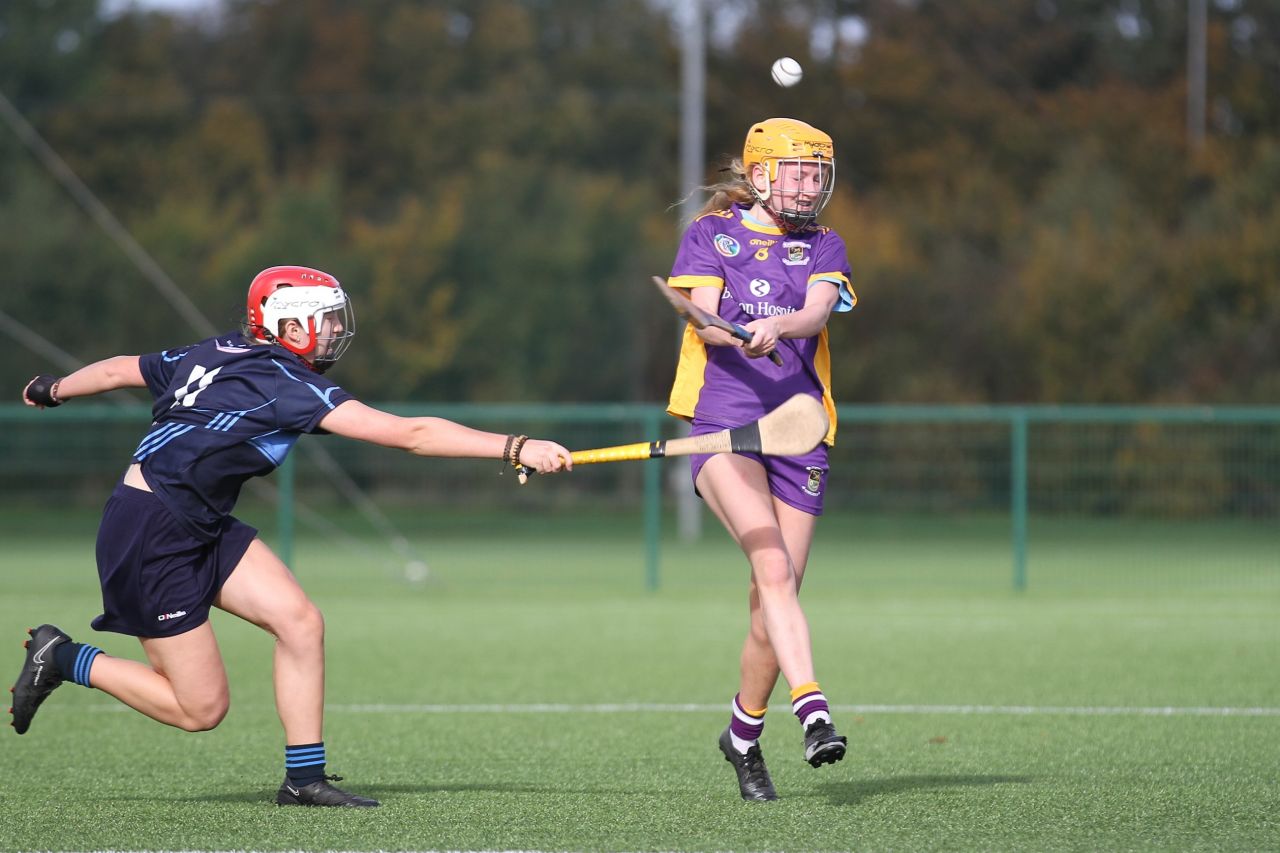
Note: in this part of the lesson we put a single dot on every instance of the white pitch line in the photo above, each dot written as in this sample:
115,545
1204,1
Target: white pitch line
963,710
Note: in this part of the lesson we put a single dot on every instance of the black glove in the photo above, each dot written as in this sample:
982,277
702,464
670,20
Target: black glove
40,391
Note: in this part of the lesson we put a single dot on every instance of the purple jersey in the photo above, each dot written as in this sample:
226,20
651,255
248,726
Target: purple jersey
226,409
761,272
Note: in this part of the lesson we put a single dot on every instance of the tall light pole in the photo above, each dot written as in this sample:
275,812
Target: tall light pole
693,78
693,94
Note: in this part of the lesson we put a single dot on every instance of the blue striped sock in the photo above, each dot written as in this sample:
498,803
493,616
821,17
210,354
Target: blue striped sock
304,763
75,660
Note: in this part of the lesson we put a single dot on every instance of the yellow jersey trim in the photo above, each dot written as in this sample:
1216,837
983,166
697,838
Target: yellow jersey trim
822,367
690,281
847,299
691,371
752,225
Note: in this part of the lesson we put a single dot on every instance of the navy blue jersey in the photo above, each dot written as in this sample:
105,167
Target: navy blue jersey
226,409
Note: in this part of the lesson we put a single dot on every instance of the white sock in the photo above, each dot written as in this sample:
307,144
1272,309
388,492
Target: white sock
815,716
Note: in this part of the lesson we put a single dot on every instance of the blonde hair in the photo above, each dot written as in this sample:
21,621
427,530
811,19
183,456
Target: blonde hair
727,193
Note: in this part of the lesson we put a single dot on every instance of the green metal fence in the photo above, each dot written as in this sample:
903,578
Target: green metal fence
1174,464
1185,483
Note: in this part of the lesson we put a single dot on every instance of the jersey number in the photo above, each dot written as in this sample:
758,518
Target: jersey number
186,395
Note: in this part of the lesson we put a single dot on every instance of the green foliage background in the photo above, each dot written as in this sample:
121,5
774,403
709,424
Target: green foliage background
496,180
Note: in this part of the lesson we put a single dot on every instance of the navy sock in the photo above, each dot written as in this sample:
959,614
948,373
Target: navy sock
74,660
304,763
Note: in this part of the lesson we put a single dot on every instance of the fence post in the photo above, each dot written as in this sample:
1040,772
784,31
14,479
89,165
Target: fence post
284,511
1018,496
652,506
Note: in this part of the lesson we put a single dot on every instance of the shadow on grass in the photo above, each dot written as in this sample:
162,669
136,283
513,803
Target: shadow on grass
375,790
853,793
839,794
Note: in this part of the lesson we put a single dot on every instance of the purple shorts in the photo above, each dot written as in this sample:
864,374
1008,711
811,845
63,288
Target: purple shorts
797,481
157,579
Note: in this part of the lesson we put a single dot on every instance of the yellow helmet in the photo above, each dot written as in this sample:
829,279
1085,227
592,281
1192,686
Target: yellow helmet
780,143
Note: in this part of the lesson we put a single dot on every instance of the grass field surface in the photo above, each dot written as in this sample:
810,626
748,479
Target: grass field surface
530,695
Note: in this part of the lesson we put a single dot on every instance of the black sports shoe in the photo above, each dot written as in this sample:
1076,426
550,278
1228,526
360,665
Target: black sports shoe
39,676
822,745
753,776
321,794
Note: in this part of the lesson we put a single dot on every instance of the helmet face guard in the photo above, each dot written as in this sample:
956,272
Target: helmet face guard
799,164
311,298
798,190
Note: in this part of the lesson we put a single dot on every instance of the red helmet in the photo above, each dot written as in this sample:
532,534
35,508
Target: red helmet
313,299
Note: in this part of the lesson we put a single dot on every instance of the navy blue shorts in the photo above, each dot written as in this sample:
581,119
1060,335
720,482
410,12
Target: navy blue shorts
157,579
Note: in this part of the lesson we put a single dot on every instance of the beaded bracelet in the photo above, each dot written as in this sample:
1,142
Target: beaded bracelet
506,454
515,451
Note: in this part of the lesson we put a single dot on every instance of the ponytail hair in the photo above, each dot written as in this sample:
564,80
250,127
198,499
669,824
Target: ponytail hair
724,194
729,192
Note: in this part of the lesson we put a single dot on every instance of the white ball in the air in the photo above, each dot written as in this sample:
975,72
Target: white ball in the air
786,71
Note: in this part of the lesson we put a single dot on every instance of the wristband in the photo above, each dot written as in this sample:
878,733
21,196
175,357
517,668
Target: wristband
515,450
43,391
506,454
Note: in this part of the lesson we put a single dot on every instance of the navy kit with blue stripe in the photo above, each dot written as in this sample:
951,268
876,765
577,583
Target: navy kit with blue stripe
225,410
83,663
304,763
75,660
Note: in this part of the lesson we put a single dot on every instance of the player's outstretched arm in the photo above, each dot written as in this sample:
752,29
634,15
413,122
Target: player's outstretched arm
438,437
121,371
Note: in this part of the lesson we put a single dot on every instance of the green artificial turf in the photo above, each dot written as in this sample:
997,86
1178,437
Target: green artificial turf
532,695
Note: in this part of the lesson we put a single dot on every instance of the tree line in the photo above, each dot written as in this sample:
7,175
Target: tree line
1027,217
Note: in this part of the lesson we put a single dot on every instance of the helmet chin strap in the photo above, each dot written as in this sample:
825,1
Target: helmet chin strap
763,200
264,333
777,218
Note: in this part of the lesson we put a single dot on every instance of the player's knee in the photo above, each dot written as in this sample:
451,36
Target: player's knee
312,623
773,573
203,716
303,625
